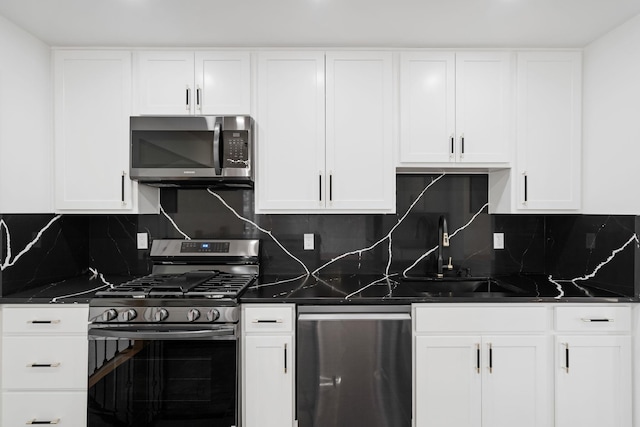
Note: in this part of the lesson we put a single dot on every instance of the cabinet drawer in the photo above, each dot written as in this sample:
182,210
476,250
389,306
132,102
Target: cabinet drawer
278,318
67,409
592,319
44,362
480,319
38,319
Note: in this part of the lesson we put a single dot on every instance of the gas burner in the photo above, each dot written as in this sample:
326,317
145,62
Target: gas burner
197,283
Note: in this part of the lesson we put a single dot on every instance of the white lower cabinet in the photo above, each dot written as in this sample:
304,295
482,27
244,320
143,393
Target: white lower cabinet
63,408
447,387
268,365
475,370
533,365
44,365
593,373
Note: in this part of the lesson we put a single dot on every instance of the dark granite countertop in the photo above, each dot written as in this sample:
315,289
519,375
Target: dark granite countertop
376,289
347,289
74,290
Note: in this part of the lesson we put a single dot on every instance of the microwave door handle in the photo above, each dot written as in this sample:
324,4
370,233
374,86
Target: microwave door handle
216,149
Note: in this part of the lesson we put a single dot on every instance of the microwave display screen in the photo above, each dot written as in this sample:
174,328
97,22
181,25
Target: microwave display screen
172,149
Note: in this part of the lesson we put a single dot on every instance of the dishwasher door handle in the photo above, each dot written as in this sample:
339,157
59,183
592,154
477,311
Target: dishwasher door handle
353,316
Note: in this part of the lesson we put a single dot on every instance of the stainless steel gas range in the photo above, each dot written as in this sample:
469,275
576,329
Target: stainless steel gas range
163,349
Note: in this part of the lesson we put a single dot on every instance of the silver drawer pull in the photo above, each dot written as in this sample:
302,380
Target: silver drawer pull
43,322
34,421
586,319
44,365
267,320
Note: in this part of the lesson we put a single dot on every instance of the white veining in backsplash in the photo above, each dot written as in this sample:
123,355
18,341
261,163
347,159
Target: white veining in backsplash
9,260
592,274
388,276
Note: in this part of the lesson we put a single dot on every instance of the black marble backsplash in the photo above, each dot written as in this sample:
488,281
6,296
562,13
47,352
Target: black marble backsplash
563,246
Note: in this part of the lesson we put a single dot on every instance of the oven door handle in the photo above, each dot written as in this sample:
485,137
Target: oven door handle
161,335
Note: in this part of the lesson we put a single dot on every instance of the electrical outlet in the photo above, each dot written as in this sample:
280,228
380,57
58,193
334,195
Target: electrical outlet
498,240
143,241
308,241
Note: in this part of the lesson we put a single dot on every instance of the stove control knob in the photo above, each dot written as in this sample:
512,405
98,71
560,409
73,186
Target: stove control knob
160,315
129,315
213,315
110,315
193,315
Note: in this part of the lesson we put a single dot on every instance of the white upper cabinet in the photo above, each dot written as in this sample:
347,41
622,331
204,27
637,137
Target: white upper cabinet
201,82
455,108
547,172
359,153
291,131
549,130
92,91
309,161
483,93
427,111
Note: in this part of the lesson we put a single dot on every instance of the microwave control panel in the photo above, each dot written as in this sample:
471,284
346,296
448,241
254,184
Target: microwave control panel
235,149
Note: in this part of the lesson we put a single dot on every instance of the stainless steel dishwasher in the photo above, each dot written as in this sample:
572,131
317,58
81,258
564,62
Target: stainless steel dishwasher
354,366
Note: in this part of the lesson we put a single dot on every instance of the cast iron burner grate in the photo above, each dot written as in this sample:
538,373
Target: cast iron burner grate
199,283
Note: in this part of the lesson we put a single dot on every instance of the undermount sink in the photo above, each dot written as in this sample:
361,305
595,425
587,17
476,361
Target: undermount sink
460,286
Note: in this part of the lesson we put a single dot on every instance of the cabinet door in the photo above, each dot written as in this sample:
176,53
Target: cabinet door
593,381
447,382
514,382
165,83
483,91
223,83
427,107
549,130
268,381
291,131
360,165
92,109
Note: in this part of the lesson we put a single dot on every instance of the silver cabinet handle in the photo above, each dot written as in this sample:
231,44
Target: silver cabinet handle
566,357
320,185
462,146
35,421
198,98
43,322
188,101
478,358
44,365
597,320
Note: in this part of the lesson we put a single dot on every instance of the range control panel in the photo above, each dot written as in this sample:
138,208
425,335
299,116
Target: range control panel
200,246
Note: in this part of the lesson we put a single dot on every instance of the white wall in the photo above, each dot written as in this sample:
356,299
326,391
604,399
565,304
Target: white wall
26,122
611,122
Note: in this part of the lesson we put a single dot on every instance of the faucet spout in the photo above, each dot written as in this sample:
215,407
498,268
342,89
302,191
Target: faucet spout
443,242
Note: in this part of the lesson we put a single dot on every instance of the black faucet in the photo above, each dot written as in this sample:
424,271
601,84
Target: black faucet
443,242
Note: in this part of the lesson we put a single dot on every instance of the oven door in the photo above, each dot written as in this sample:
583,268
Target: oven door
151,377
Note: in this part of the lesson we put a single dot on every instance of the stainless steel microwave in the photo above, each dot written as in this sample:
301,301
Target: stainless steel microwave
192,150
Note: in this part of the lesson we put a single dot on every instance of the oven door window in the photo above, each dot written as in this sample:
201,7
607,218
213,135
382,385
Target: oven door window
172,149
162,383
